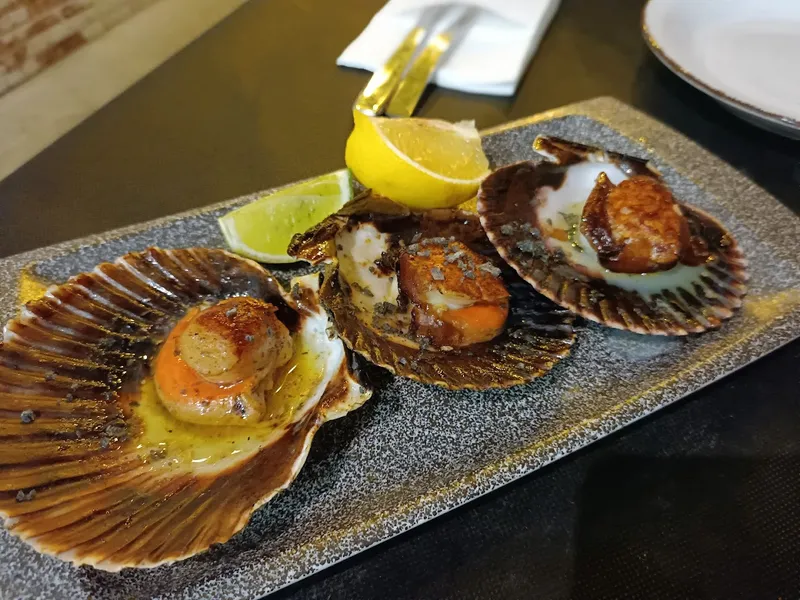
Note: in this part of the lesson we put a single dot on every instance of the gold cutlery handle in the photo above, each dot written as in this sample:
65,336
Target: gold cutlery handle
376,94
410,89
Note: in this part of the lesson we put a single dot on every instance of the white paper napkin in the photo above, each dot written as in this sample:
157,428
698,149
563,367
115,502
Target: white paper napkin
491,57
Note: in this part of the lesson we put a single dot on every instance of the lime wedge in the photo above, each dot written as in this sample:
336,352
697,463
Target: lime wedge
263,229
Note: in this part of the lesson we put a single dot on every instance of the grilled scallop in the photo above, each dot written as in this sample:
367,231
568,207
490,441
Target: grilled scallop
426,296
601,234
153,404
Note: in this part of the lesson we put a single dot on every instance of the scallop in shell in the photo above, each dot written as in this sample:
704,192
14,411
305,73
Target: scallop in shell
95,465
600,234
427,297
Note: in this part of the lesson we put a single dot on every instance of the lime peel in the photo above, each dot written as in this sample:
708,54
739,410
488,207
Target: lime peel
262,229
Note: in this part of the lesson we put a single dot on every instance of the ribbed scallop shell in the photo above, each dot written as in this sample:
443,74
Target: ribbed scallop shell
703,303
77,481
537,336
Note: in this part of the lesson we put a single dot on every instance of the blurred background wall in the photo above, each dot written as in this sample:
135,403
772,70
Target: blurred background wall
35,34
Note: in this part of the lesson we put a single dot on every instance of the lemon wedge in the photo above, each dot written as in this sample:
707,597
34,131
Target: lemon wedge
263,229
422,163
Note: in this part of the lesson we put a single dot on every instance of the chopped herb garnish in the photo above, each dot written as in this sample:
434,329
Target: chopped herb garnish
363,289
385,308
570,219
437,274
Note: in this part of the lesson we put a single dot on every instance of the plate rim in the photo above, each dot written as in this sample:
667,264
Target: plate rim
673,65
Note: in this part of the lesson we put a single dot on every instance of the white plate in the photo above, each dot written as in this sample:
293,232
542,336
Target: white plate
743,53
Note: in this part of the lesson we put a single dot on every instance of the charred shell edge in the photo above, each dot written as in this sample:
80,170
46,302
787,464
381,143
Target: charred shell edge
70,485
706,307
316,244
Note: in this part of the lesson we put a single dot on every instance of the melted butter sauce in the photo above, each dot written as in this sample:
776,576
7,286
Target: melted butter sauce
178,444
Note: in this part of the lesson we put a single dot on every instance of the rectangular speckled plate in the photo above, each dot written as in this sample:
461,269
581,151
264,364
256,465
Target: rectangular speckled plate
414,452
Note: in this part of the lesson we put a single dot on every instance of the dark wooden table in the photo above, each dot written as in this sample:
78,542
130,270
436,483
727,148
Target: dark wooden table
700,501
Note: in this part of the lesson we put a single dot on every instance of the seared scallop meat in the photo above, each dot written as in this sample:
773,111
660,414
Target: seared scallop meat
457,296
636,226
235,339
218,364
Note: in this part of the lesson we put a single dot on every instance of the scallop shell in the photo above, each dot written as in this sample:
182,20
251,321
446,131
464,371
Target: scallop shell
689,301
538,333
89,479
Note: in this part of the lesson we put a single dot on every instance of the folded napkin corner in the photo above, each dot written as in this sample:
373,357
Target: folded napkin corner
492,56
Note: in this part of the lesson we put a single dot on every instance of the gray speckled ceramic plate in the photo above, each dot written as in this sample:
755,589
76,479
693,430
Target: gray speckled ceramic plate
414,452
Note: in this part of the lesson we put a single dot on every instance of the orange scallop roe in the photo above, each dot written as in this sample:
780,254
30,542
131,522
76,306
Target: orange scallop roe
457,296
